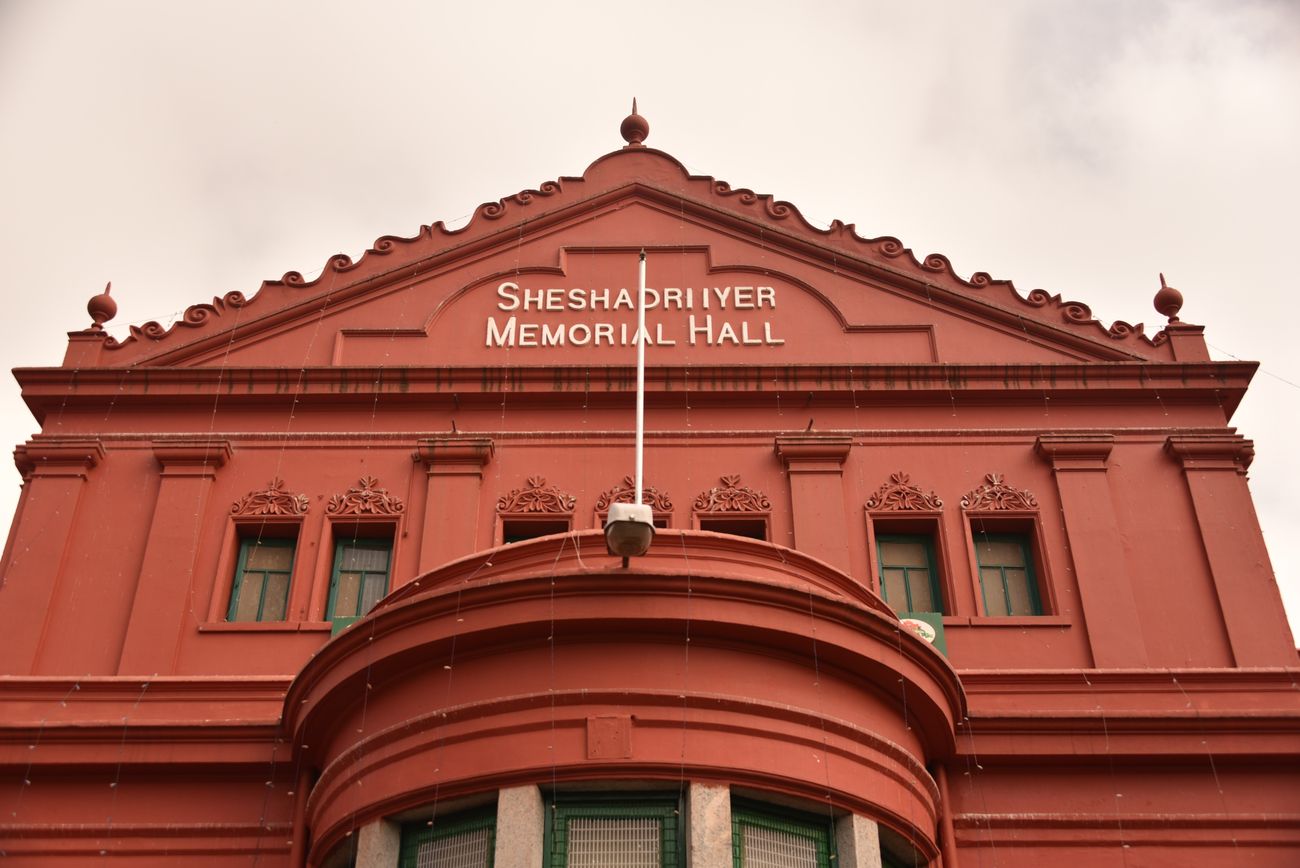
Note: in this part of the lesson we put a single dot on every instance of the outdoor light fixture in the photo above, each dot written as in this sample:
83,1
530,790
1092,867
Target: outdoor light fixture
630,527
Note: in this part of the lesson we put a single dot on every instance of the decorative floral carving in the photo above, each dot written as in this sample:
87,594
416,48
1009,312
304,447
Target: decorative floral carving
536,496
625,492
369,499
273,500
731,496
996,494
899,494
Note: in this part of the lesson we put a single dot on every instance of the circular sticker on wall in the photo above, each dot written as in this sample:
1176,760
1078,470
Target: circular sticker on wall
920,628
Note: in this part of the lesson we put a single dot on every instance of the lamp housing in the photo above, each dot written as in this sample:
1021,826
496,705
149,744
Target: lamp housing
629,529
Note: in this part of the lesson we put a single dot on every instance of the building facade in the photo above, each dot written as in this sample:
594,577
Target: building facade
944,574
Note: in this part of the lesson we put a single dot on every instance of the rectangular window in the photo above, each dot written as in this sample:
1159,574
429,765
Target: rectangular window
598,834
260,591
465,841
767,839
753,528
359,580
515,530
1007,578
909,581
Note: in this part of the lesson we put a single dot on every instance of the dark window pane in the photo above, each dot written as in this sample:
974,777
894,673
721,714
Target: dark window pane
249,597
346,595
903,553
922,599
364,559
375,588
995,599
268,556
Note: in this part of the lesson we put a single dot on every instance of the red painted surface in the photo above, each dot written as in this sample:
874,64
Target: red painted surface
837,387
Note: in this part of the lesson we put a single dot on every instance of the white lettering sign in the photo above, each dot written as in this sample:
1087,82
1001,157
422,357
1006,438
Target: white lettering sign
522,329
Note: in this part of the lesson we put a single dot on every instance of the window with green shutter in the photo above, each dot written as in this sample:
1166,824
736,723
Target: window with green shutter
630,833
909,581
1007,579
763,837
461,841
359,579
260,591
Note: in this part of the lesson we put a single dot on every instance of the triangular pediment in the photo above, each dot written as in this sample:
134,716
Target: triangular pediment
544,277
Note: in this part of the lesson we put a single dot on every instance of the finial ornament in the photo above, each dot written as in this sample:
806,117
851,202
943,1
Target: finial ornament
101,308
634,129
1168,300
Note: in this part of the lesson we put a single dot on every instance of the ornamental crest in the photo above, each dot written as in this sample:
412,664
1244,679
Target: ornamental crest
273,500
369,499
625,491
536,496
899,494
996,494
731,496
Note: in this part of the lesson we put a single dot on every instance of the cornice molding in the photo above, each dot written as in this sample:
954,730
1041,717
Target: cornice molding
1075,451
1211,451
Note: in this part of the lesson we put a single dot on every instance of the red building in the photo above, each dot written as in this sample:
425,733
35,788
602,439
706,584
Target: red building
317,575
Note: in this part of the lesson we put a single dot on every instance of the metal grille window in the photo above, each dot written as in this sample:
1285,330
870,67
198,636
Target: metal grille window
908,579
360,579
261,588
760,839
1007,574
466,841
603,834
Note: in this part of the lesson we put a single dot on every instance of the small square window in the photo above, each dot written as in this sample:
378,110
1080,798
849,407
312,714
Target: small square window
359,580
766,838
463,841
260,591
909,581
1007,579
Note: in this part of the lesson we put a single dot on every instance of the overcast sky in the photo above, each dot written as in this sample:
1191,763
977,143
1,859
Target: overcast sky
186,149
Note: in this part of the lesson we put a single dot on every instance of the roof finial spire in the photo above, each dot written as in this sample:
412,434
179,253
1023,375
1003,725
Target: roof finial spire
635,128
101,308
1168,301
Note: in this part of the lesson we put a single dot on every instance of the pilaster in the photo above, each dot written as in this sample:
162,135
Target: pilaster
1214,466
1105,586
55,473
188,468
814,464
450,526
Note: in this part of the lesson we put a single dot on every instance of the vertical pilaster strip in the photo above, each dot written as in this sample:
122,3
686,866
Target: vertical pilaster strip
708,826
379,844
814,465
1214,466
188,468
521,827
1110,611
857,842
56,473
450,527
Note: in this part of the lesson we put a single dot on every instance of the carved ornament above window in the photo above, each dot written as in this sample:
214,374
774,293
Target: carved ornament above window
272,500
536,497
898,494
995,494
731,496
624,492
369,499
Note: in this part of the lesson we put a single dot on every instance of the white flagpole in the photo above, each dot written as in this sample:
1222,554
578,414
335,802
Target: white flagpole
640,377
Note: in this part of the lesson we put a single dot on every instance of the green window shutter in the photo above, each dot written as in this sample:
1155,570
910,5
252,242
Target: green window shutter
1007,580
461,841
359,579
629,833
909,581
260,591
770,838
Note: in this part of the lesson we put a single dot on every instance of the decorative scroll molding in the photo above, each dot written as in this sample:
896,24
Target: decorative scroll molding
996,494
369,499
731,496
272,500
391,253
537,496
898,494
625,492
